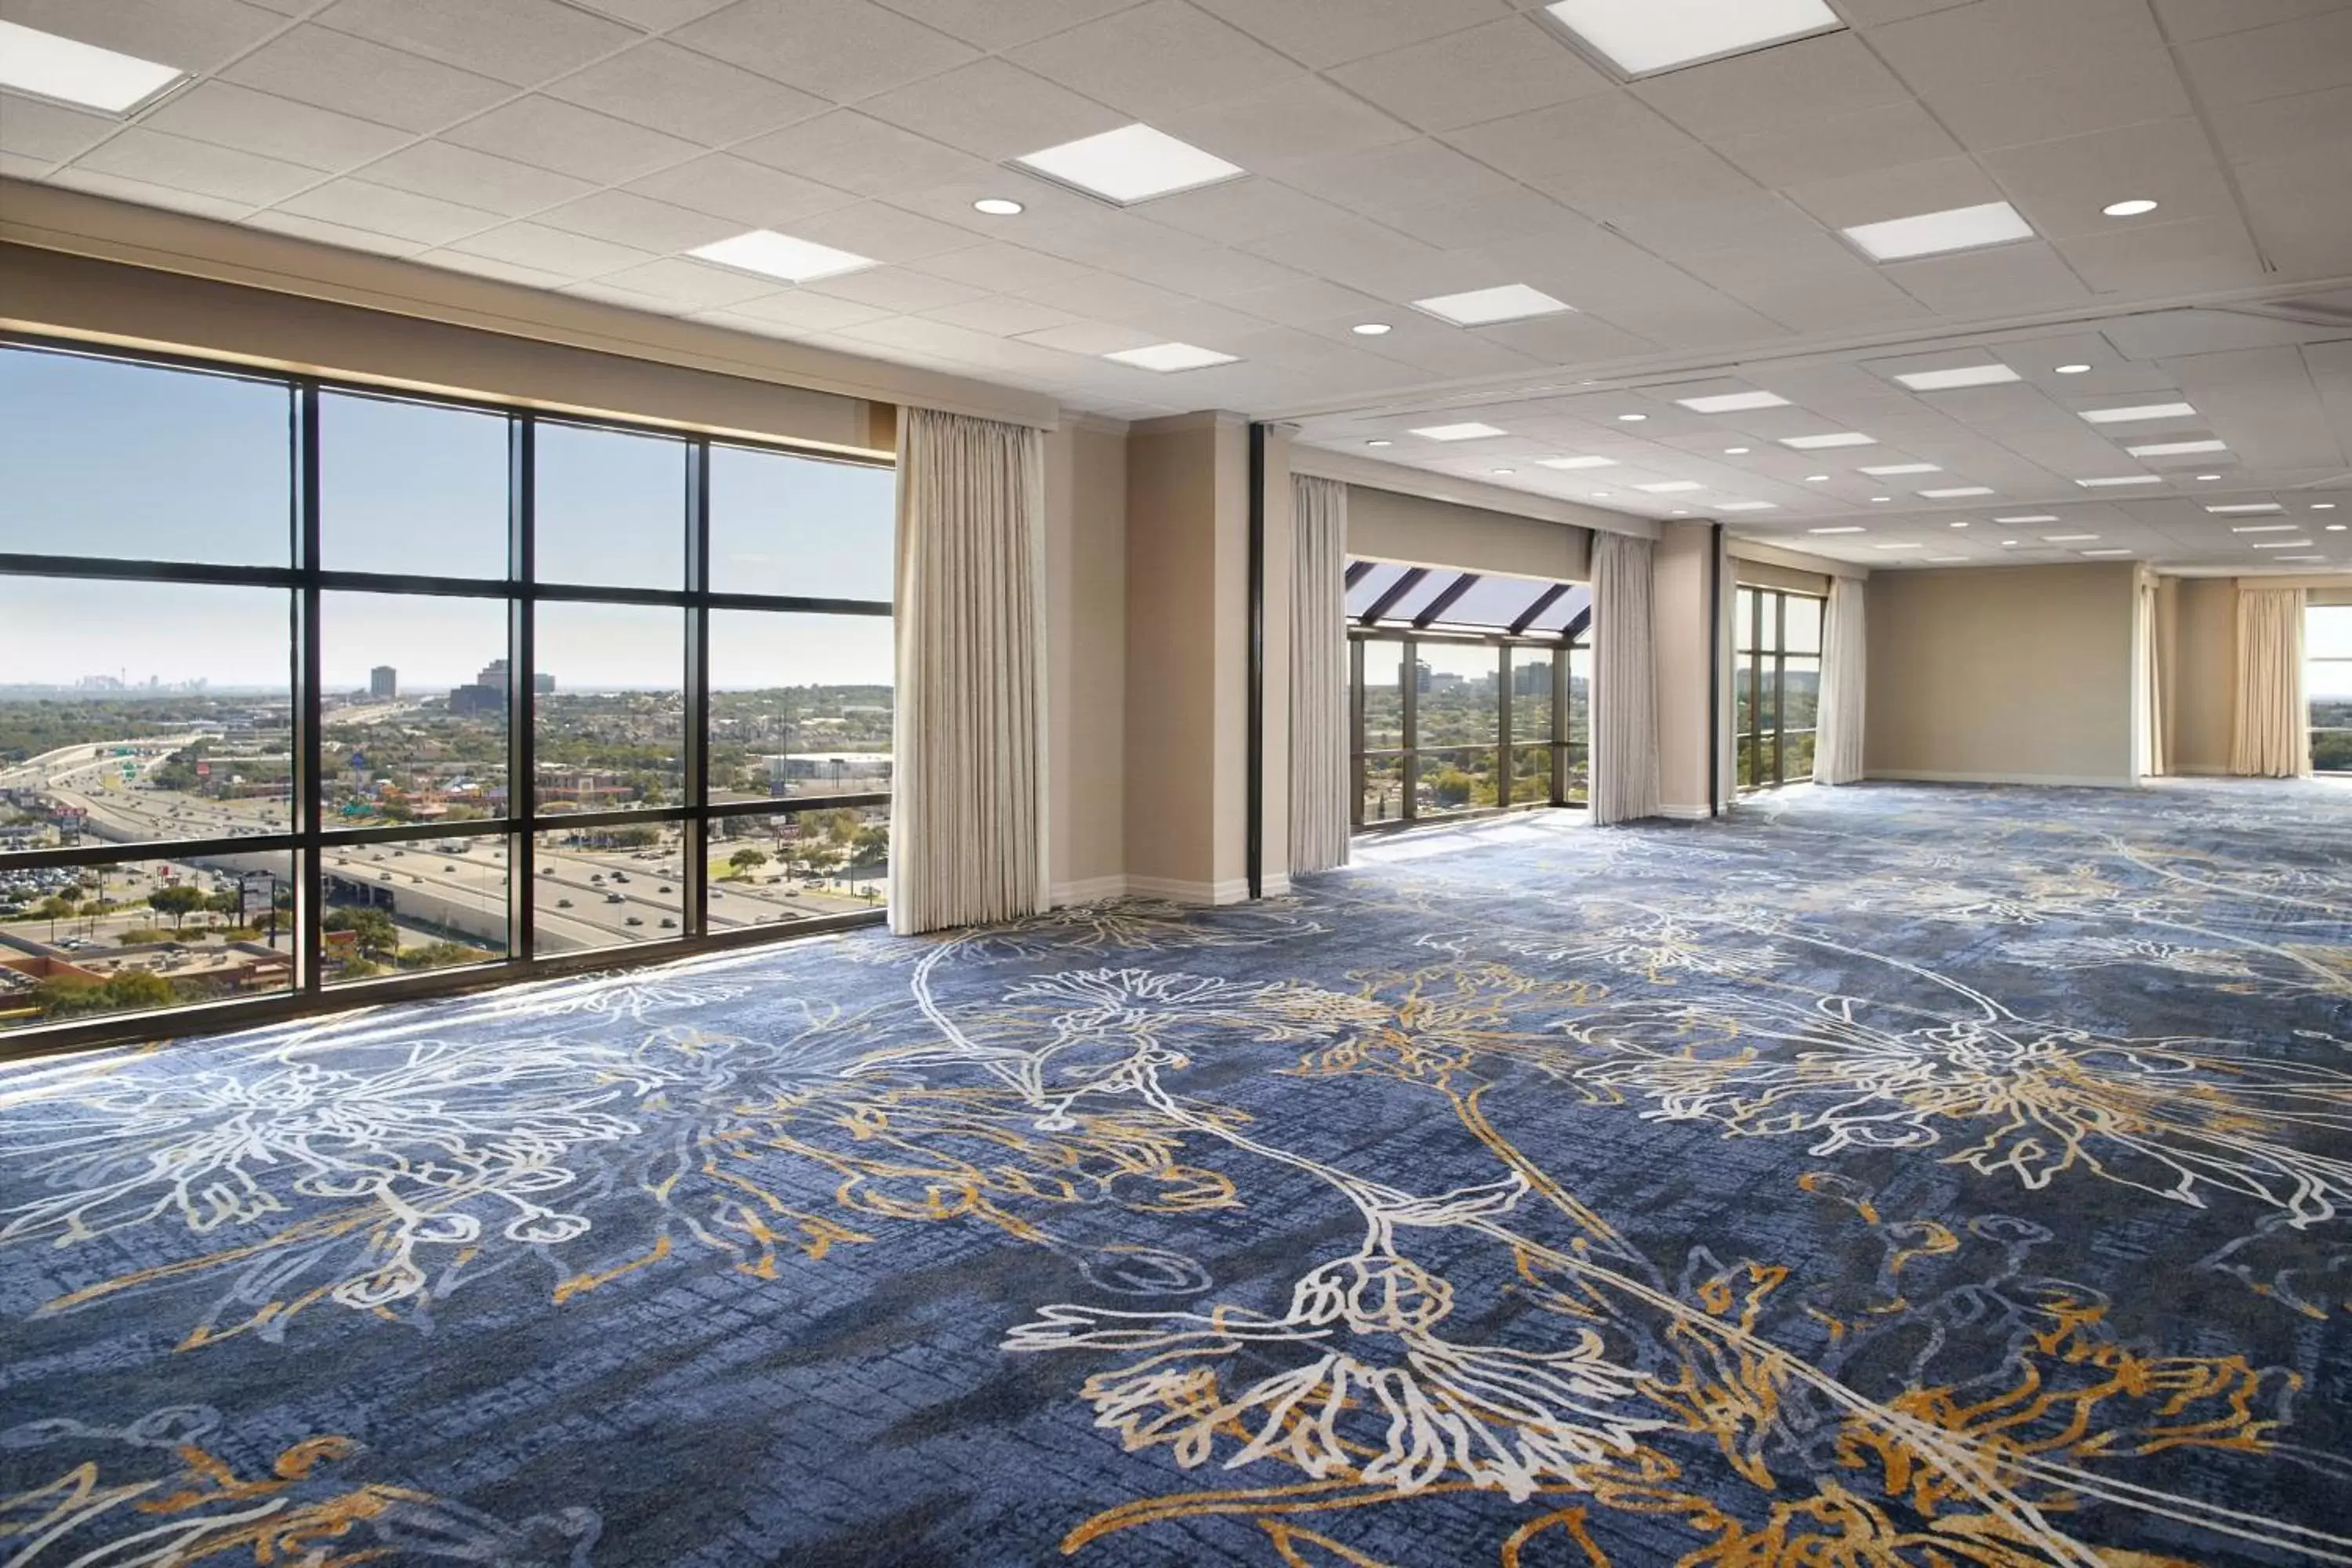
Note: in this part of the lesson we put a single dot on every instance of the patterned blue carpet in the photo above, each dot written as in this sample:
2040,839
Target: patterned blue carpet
1898,1175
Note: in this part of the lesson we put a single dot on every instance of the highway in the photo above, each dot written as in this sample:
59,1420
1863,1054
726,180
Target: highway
430,887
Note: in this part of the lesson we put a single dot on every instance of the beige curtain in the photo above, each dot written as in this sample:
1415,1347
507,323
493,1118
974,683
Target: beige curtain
2273,734
1624,678
1318,674
2152,760
1845,658
968,818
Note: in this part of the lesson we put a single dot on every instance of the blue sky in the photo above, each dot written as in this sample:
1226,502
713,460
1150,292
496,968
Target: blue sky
129,462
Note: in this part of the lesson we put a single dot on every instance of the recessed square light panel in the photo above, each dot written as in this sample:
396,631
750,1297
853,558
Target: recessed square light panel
1643,37
1733,402
773,255
1165,357
1133,164
1934,233
1488,306
1958,377
1469,430
69,71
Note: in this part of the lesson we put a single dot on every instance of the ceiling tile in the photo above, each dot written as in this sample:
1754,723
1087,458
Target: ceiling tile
686,94
2301,56
2187,21
1003,24
520,41
2074,97
2282,127
571,140
690,284
1105,296
1090,338
997,267
992,110
1207,272
838,49
1905,191
473,179
1885,137
655,16
1401,175
2060,186
198,167
897,290
335,233
1156,60
171,198
1758,217
2166,258
1483,73
750,195
2027,277
805,311
196,36
335,71
381,209
500,271
2013,38
854,152
1769,89
1322,33
1240,211
882,232
49,131
1003,317
625,219
1297,122
1607,155
549,250
232,116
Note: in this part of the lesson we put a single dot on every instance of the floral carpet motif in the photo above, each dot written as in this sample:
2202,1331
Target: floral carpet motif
1894,1176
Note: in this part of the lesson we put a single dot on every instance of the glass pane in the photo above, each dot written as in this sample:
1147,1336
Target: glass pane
139,936
409,487
797,865
1743,620
1768,752
1531,694
1383,790
782,524
611,508
1494,602
1801,693
413,707
1458,694
1768,689
394,909
135,462
1797,754
608,701
1745,753
131,711
1580,696
1743,697
1457,780
1384,696
606,886
800,705
1564,609
1367,589
1803,626
1530,775
1422,595
1573,787
2327,631
1768,621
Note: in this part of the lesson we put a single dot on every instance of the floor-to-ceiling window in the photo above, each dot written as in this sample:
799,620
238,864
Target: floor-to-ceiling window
309,689
1469,691
2327,683
1776,685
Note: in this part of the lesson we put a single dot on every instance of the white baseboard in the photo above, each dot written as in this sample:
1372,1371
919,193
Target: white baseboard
2080,780
2201,769
1232,890
1092,891
1685,813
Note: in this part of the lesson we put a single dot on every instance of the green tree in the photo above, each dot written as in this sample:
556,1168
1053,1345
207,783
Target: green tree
65,997
54,909
231,904
747,860
178,901
376,936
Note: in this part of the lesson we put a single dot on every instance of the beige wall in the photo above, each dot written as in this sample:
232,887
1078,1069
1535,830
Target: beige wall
1086,589
1764,574
2017,674
1387,526
1681,619
2204,673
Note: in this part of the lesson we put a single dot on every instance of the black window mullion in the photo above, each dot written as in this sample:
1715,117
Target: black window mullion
1503,754
694,833
1409,701
1356,730
306,798
522,679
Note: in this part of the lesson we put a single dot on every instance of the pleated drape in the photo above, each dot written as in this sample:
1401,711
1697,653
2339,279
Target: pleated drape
2152,760
1624,678
967,816
1318,675
2273,736
1845,650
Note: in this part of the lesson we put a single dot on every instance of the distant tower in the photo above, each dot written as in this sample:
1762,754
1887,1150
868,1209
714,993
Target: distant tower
384,681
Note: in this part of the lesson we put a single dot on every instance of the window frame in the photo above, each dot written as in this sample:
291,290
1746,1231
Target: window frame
2312,732
306,580
1752,654
1574,638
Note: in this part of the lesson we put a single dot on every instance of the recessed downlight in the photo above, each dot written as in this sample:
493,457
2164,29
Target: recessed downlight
1958,376
1817,479
2322,506
2177,449
1166,358
1960,524
70,71
1576,462
1906,546
1631,418
2029,516
1842,529
1736,451
1833,438
1379,443
1934,233
2265,528
773,255
1469,430
1888,470
2111,481
2207,478
1881,499
1748,506
2090,553
2133,208
1488,306
2245,508
999,206
1954,492
1502,470
2280,544
1133,164
1371,328
2074,370
2068,538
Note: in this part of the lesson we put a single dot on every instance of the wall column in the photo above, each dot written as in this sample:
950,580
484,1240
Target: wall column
1682,617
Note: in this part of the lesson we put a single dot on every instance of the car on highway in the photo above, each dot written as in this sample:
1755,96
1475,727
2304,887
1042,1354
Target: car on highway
563,903
665,887
634,921
615,899
620,876
667,923
383,876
